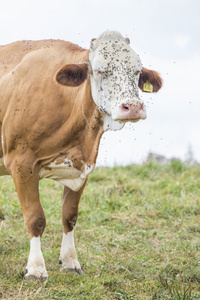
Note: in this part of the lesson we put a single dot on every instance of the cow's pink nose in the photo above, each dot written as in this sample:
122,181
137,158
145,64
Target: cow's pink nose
133,110
132,106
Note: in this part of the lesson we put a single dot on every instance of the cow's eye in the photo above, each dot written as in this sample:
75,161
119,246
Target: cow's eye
137,72
100,73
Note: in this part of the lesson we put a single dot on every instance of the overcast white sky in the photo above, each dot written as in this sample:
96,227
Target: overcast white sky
166,36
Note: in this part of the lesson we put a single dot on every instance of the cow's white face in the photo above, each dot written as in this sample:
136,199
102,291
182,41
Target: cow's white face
115,71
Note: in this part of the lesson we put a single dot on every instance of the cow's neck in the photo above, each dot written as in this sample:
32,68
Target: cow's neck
93,129
80,134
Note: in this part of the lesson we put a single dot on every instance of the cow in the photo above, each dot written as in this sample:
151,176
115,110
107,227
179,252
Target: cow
56,101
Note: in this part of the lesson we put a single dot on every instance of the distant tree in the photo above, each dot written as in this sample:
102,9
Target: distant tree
190,154
157,158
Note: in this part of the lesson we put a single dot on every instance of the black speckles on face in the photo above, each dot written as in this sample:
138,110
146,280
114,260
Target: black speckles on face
119,66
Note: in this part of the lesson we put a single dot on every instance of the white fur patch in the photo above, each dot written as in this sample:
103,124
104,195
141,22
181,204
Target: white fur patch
66,174
68,254
115,74
36,265
110,124
88,169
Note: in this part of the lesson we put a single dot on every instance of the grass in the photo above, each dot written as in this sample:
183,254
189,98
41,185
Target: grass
137,236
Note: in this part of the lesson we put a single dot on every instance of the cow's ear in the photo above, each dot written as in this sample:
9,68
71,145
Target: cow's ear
149,81
93,44
72,74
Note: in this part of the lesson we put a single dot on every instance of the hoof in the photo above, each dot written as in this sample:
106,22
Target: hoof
79,271
71,270
33,277
30,277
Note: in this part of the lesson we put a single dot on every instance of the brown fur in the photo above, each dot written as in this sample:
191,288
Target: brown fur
69,211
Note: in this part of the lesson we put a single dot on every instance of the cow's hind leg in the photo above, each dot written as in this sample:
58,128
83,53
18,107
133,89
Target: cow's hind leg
68,256
26,181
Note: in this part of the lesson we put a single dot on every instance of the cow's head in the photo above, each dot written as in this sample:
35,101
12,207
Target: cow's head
115,72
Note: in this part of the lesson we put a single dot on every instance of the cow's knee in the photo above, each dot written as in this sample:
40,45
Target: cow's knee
36,225
69,222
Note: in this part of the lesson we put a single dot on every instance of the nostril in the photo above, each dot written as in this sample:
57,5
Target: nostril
125,107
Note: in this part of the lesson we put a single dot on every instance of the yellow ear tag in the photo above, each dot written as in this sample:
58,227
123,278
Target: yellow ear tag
148,87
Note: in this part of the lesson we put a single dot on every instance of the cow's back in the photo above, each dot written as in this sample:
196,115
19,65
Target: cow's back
12,54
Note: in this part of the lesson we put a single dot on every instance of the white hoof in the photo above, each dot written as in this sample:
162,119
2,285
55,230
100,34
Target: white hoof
34,272
71,265
68,270
33,277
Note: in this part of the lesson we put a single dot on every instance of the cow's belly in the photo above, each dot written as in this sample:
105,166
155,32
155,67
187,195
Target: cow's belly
3,170
66,174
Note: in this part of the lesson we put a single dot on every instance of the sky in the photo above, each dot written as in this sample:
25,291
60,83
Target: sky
165,34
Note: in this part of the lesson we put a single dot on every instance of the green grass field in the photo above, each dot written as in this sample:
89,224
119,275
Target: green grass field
137,237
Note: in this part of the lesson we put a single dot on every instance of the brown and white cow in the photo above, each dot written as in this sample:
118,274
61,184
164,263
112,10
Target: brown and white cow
56,101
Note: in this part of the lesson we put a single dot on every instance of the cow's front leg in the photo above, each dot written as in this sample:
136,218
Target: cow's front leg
68,256
27,185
